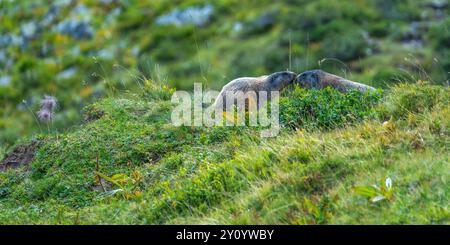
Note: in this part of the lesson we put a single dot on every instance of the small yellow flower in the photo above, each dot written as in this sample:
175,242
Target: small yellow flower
147,82
137,194
388,125
229,116
300,131
421,82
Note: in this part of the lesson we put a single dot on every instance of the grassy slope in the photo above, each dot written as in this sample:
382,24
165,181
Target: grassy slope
367,35
230,175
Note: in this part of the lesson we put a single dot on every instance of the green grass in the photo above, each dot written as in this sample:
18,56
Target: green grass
332,148
309,174
362,40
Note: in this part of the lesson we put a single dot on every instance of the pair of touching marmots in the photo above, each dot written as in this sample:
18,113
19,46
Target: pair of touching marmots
314,79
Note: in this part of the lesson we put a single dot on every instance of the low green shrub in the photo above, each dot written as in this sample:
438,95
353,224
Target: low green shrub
327,108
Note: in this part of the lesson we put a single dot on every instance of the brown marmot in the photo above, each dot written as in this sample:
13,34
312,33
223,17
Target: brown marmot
318,79
274,82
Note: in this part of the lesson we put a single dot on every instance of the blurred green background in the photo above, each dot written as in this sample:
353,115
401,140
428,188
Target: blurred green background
79,51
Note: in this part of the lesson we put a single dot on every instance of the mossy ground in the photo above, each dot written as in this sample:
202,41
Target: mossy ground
129,165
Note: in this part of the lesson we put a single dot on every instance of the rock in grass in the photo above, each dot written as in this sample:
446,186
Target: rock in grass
22,155
199,16
318,79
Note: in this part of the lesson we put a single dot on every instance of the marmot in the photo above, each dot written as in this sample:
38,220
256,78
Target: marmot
318,79
274,82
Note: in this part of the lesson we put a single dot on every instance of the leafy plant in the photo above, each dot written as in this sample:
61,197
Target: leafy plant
377,192
128,187
320,212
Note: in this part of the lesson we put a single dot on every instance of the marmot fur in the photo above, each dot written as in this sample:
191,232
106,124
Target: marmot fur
274,82
318,79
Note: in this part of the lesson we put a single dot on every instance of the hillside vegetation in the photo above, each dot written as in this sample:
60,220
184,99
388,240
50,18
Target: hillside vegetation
129,164
110,154
80,51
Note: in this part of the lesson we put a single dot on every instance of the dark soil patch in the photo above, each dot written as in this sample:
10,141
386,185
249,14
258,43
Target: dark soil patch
91,113
20,156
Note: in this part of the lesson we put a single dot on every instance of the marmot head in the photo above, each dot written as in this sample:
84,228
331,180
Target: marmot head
279,80
309,79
